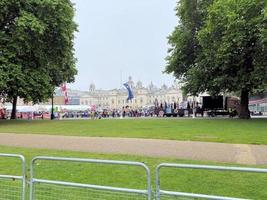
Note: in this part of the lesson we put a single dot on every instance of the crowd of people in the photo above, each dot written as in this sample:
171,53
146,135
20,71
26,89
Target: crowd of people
159,110
110,113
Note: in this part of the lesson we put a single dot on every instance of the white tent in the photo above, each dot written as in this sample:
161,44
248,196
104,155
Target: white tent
26,109
47,108
75,107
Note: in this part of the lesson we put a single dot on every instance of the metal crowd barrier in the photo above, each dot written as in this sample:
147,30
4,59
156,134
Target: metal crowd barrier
67,189
160,192
13,187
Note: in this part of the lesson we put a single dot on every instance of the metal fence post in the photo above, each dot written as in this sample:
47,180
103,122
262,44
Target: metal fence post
157,183
22,177
31,179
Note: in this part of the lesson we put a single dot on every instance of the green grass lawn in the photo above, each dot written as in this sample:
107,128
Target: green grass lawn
242,185
212,130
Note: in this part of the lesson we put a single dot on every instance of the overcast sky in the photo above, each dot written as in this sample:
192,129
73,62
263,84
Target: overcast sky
119,38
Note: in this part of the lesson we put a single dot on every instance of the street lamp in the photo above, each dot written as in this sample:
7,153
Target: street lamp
52,117
194,107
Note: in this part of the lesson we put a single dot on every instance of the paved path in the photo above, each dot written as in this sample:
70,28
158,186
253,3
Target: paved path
232,153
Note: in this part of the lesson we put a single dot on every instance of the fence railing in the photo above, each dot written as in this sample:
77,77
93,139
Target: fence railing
56,190
13,187
160,192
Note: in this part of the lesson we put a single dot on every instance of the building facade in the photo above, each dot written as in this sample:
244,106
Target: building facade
258,103
143,96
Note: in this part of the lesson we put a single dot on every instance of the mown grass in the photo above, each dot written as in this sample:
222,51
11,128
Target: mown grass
211,130
233,184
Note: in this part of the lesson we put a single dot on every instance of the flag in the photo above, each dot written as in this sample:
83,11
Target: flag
130,92
64,90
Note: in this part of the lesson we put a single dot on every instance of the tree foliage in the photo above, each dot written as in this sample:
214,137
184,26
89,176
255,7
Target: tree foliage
183,41
36,47
231,54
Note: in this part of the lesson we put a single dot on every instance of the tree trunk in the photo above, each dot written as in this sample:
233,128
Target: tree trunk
14,108
244,111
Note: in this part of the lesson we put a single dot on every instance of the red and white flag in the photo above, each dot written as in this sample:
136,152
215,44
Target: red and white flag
64,90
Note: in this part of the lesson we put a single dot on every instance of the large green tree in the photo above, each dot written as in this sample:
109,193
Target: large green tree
36,48
231,51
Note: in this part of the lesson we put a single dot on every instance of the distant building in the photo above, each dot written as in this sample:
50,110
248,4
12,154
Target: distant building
74,96
258,103
58,100
74,100
20,102
143,96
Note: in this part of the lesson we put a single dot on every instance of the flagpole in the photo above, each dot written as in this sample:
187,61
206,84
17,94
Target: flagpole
120,79
121,87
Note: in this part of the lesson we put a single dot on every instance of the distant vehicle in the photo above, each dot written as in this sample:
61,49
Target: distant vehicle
174,111
168,112
212,103
220,105
255,113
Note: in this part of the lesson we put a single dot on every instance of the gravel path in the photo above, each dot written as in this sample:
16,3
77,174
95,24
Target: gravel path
219,152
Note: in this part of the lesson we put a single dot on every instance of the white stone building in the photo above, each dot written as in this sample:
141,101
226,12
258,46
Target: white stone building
143,96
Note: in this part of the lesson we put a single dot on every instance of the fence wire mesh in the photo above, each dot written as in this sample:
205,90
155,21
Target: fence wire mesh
207,182
12,177
10,189
58,192
106,177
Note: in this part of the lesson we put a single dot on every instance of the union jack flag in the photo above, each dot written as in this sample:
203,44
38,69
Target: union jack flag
65,92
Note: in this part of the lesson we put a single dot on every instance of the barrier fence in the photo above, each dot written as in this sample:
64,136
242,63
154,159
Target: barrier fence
41,189
183,195
13,187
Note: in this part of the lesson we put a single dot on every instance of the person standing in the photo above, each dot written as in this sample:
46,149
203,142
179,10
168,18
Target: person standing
188,108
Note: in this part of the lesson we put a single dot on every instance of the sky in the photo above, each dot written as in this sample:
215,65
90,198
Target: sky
122,38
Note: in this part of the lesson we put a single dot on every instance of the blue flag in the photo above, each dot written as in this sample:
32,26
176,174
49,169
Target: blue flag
130,92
